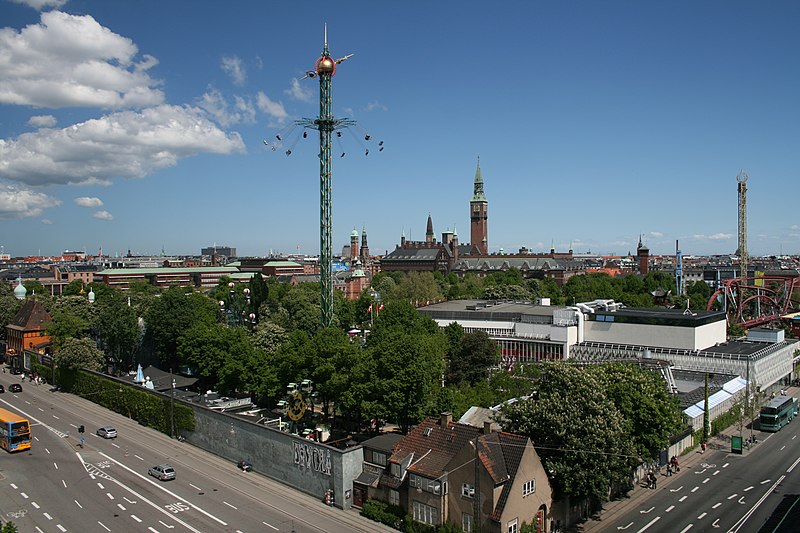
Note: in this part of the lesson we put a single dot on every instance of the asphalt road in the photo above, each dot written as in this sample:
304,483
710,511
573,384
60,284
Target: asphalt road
720,491
58,486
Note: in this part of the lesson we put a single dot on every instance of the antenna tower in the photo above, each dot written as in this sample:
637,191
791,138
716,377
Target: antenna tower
741,179
679,288
324,69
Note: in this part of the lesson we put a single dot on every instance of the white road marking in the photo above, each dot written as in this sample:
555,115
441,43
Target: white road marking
47,516
23,495
195,487
687,528
127,500
732,496
682,498
647,526
13,486
78,504
716,505
65,483
55,465
138,457
104,526
715,472
725,465
702,516
35,505
100,485
110,496
234,507
748,488
715,523
122,507
694,489
706,480
61,528
668,509
136,518
166,525
676,490
794,464
765,481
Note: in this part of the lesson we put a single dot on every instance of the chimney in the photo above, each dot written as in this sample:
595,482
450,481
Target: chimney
487,427
445,419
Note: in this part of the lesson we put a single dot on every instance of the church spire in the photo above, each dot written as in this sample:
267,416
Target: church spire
477,193
429,237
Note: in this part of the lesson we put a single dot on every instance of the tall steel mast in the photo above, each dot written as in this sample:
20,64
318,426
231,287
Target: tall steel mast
325,68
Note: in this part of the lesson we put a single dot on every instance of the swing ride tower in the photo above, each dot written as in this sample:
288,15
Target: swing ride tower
324,69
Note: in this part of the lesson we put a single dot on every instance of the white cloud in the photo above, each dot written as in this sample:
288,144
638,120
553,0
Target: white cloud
125,144
274,110
215,104
233,67
16,202
39,4
656,234
103,215
372,106
88,201
47,221
69,60
42,121
794,227
300,92
721,236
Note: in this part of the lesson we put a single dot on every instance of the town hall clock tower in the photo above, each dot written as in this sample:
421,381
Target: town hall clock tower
479,214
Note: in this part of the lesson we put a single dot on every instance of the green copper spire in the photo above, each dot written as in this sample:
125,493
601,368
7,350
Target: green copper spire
477,194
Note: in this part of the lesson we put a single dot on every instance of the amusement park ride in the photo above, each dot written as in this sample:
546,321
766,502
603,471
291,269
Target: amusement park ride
757,300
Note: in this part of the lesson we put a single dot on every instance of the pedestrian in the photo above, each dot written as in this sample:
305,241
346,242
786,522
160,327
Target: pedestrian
703,446
669,469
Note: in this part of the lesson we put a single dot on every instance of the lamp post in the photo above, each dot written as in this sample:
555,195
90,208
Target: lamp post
172,404
233,310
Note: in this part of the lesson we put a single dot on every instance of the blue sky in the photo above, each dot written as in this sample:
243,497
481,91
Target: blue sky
140,125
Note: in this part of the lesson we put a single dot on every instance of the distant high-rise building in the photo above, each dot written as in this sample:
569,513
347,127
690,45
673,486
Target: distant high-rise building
227,251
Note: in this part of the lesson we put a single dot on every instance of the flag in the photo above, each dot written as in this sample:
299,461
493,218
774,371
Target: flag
380,307
429,303
369,309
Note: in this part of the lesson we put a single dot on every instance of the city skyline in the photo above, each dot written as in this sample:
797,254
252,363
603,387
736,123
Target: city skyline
141,126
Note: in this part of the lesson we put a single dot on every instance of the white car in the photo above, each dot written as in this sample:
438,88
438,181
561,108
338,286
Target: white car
107,432
163,472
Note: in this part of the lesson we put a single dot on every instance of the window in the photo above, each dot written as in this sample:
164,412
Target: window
426,514
466,522
396,469
468,490
379,458
529,487
394,497
513,527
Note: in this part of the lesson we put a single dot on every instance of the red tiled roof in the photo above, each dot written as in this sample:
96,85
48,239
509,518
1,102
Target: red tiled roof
433,446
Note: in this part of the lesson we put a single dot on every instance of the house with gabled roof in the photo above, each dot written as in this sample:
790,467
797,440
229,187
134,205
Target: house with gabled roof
27,332
445,471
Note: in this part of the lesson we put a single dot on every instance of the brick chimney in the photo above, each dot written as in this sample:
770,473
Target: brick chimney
487,427
445,419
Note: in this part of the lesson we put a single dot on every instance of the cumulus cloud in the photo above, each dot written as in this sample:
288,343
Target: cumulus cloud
40,4
103,215
656,234
274,110
298,91
42,121
232,66
88,201
47,221
372,106
125,144
714,237
71,60
794,227
215,104
17,202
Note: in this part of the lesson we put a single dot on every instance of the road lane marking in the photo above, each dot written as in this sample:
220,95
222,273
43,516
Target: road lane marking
687,528
166,525
725,465
706,480
104,526
732,496
748,488
740,523
195,486
647,526
715,472
35,505
766,481
78,504
676,490
100,485
61,528
23,495
153,483
716,505
122,507
276,529
55,465
702,516
65,483
715,523
46,515
234,507
129,501
110,496
694,489
136,518
794,464
682,498
138,457
668,509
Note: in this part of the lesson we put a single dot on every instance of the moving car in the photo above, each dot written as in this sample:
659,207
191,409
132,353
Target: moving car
163,472
107,432
15,387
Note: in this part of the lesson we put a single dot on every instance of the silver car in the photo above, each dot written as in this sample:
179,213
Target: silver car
163,472
107,432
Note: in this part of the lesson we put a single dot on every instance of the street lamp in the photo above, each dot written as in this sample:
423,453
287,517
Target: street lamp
233,310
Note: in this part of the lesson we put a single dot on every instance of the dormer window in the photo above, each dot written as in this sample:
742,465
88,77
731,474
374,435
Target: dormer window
396,469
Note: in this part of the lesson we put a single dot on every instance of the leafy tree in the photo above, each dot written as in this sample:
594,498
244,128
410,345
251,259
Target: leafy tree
65,326
579,433
651,413
9,307
9,527
269,336
80,353
174,313
219,353
118,329
470,362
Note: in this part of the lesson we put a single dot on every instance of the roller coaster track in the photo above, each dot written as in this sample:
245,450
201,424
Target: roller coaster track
756,301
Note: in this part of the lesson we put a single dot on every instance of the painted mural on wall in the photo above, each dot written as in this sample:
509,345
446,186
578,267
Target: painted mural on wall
312,457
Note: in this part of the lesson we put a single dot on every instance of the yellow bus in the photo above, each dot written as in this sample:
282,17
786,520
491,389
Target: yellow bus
15,432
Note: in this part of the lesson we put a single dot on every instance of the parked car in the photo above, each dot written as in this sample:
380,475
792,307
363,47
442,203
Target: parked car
163,472
2,389
107,432
245,466
15,387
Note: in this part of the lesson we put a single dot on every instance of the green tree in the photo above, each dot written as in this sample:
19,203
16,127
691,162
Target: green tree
652,415
118,329
470,362
9,527
269,336
220,355
80,353
9,307
174,313
579,433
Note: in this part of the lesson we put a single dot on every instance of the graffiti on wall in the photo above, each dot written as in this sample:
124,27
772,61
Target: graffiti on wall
311,457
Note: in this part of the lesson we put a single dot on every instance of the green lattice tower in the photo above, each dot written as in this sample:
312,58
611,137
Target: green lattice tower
325,68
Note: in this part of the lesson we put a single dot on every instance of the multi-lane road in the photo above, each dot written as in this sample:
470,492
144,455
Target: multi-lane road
59,486
723,492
